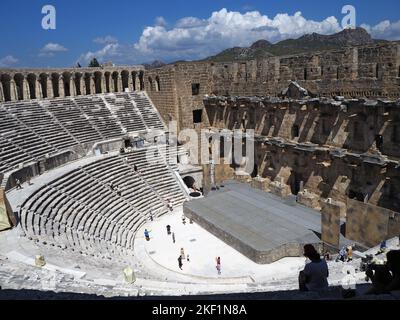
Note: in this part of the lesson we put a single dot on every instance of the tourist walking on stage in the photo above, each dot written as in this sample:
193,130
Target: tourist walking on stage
168,229
218,265
18,184
183,254
180,262
170,205
147,234
187,258
173,237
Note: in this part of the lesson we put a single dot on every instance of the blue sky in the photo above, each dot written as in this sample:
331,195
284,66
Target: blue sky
132,32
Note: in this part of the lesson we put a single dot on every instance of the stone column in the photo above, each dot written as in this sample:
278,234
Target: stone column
72,87
82,86
330,223
103,83
25,89
354,64
61,89
38,90
137,83
92,84
119,83
2,98
13,90
130,82
50,91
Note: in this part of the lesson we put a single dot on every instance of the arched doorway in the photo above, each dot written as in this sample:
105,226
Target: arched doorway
31,78
55,80
6,84
19,84
87,79
115,76
43,84
141,80
77,83
67,84
107,77
98,77
125,80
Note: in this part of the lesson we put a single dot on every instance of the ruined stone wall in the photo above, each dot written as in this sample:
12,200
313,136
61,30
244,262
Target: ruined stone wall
357,125
161,87
369,224
371,71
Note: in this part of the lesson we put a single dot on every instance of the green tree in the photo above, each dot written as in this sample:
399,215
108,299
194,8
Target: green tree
94,63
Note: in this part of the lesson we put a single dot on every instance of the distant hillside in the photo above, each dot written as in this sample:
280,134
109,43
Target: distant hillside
153,65
306,43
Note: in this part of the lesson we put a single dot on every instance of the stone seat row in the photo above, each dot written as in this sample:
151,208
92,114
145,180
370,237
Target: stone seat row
42,127
80,210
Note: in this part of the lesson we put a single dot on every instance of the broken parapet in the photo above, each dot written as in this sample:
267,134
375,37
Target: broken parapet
280,189
261,183
375,159
242,176
309,199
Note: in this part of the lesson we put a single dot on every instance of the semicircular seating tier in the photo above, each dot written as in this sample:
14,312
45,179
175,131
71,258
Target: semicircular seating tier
97,209
33,130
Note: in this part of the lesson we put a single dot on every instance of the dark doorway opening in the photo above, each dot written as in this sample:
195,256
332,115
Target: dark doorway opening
197,116
379,142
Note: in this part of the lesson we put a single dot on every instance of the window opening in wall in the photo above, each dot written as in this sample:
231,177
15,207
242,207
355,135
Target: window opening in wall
379,141
197,116
395,134
195,89
295,131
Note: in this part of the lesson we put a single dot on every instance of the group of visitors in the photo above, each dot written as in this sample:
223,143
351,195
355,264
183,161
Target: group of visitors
385,278
345,254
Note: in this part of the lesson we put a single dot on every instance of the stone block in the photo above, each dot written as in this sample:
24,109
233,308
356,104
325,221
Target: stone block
40,261
309,199
261,183
279,189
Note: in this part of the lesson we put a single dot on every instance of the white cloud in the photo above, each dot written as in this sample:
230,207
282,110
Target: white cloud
8,61
105,40
50,49
193,38
112,51
384,30
160,21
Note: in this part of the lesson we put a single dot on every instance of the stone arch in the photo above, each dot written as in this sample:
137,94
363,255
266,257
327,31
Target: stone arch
141,80
31,78
66,80
125,80
87,80
107,78
115,76
55,80
19,84
98,78
43,84
77,83
157,83
150,80
5,81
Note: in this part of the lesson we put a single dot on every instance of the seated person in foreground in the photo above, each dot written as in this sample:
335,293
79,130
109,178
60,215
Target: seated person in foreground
315,275
385,278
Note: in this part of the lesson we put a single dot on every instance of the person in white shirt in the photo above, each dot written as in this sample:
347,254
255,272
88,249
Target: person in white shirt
315,275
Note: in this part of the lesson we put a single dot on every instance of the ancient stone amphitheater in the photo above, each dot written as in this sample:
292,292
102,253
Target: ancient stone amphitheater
327,130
